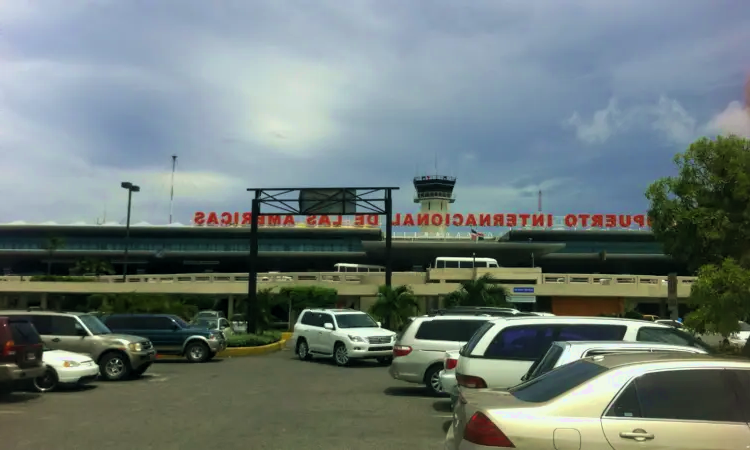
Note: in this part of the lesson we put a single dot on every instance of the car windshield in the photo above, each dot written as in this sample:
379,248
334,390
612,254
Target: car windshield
208,323
95,326
180,322
744,326
355,321
557,382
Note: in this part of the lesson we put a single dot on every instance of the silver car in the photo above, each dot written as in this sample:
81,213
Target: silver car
419,352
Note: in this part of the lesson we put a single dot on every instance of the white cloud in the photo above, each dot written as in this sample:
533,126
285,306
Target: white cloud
603,124
735,119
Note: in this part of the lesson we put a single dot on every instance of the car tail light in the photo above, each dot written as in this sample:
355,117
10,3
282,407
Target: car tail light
450,363
482,431
471,382
9,349
401,350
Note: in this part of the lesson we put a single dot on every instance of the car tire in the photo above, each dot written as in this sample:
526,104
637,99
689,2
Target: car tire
197,352
303,351
47,382
140,370
114,366
385,360
432,380
341,355
211,355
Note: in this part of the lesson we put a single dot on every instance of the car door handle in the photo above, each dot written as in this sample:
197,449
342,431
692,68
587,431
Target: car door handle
638,435
56,340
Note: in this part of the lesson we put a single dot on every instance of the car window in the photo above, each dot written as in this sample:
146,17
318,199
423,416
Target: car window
355,321
43,324
548,362
669,336
476,337
744,326
23,332
94,324
627,404
526,342
223,323
324,319
448,330
592,332
65,326
312,319
662,395
126,323
557,382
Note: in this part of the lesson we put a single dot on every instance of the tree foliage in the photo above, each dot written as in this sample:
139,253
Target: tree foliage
394,306
97,267
51,245
142,303
721,296
702,215
483,291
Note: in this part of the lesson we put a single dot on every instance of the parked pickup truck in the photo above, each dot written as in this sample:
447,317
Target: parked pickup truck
170,335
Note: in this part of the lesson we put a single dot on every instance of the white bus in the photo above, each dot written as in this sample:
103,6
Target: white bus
445,262
345,267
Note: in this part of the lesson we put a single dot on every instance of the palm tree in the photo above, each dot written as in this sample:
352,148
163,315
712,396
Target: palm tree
51,246
96,266
394,306
482,291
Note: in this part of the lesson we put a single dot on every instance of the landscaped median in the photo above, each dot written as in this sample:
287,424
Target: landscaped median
251,344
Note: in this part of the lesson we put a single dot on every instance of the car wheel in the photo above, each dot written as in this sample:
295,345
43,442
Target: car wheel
47,381
341,355
385,360
432,380
114,366
211,355
197,352
303,352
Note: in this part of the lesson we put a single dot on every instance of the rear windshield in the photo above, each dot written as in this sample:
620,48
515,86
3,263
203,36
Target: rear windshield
449,330
548,362
23,332
557,382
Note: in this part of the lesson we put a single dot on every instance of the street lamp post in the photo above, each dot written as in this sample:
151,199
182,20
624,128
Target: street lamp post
474,265
131,188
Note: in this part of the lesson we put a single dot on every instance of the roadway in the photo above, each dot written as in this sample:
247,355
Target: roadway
272,402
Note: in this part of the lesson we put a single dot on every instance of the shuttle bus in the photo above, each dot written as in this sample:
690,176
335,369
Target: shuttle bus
445,262
344,267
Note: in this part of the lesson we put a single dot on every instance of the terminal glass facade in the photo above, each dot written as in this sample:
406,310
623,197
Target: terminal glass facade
189,245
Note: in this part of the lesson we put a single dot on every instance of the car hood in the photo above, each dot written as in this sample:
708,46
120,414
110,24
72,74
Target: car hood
741,335
123,338
58,356
368,332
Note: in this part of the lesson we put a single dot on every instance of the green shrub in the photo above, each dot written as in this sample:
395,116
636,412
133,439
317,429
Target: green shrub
253,340
58,278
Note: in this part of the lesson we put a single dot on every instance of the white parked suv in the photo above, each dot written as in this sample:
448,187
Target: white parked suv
341,334
502,351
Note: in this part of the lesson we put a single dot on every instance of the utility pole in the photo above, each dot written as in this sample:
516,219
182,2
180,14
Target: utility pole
171,191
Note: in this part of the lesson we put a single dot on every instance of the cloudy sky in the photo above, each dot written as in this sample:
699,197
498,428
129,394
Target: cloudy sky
584,99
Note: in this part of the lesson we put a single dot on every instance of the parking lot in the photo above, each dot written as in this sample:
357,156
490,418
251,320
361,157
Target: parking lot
268,402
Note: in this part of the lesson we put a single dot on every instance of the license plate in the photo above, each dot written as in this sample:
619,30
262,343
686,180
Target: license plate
30,357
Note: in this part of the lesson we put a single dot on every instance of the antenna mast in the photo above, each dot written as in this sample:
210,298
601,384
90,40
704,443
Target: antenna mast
171,191
540,201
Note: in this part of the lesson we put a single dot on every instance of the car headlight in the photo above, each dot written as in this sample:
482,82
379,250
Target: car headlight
393,338
70,364
135,347
356,338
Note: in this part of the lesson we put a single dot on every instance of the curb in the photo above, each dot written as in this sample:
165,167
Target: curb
231,352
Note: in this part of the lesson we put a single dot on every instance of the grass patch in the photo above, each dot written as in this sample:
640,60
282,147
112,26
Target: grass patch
253,340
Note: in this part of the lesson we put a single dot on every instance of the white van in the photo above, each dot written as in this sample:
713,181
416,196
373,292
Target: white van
503,350
361,268
446,262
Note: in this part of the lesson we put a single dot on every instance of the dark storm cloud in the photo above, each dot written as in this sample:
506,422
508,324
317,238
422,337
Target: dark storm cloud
509,97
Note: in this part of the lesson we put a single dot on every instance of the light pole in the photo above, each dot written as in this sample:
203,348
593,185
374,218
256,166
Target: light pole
474,265
131,188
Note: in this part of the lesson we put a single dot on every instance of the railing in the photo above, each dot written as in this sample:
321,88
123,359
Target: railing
434,194
358,278
422,236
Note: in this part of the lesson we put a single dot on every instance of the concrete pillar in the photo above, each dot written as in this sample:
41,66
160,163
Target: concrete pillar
23,302
366,302
43,301
4,301
663,308
230,307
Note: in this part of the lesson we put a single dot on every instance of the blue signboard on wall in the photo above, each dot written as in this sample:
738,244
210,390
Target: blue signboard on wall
523,290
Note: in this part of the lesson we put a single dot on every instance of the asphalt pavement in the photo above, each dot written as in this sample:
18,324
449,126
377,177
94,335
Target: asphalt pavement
272,402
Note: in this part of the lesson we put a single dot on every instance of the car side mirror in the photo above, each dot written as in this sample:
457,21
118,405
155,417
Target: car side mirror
175,327
80,332
380,325
328,326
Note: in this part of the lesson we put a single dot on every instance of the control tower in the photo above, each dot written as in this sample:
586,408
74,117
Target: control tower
434,193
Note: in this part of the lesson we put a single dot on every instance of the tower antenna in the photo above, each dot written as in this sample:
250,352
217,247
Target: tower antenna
540,201
171,191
